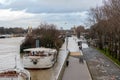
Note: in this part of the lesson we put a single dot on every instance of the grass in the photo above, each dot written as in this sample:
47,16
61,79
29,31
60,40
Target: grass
106,53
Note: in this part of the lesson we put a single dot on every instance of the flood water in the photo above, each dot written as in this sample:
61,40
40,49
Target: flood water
12,45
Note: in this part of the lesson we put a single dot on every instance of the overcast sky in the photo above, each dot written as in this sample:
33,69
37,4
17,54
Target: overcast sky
24,13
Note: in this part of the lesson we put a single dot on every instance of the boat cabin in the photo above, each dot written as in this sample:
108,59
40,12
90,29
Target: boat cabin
39,57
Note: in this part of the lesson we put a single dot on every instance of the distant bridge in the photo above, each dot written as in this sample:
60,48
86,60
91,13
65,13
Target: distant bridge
6,36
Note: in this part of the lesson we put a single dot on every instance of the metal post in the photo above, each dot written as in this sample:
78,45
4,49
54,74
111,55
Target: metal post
66,43
37,43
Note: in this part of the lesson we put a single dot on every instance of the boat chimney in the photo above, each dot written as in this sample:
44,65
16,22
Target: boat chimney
37,43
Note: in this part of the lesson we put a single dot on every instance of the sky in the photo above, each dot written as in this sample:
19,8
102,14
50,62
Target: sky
62,13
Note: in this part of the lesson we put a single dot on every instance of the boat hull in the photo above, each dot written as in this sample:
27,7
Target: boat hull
38,63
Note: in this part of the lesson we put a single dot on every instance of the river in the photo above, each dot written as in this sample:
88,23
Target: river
12,45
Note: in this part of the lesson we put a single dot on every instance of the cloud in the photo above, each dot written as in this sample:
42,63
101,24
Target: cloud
6,2
52,6
24,19
32,12
64,17
8,14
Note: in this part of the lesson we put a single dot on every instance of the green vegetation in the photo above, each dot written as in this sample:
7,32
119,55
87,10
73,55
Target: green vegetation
106,53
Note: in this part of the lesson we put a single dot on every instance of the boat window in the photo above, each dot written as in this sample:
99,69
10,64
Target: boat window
26,54
29,54
33,53
9,74
43,55
49,54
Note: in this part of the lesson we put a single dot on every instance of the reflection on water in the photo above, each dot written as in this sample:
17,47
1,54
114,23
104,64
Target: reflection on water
12,45
41,74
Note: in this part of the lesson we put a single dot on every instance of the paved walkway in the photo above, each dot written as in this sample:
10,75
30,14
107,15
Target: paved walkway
76,70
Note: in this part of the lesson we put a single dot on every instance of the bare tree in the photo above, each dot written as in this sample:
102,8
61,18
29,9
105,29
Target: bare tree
80,29
47,34
106,26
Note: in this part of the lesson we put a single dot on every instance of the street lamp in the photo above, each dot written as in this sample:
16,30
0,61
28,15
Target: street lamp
66,38
66,41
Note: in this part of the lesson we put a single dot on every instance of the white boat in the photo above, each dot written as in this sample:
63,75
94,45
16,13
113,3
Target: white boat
14,75
36,58
11,69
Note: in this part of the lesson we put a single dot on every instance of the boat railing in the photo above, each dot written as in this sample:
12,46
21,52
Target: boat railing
38,54
25,74
15,73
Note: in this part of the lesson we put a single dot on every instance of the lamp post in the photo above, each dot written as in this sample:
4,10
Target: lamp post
66,38
66,41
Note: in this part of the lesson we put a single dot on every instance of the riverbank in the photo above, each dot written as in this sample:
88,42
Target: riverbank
107,54
100,67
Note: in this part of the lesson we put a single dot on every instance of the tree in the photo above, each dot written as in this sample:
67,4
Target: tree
106,26
47,34
80,29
